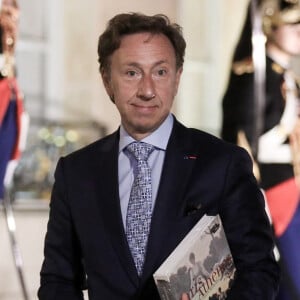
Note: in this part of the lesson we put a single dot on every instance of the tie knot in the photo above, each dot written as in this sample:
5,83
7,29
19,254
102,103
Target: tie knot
140,150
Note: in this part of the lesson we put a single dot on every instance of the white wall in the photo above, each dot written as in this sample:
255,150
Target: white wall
211,29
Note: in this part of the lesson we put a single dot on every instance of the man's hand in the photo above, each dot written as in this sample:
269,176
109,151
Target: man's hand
185,297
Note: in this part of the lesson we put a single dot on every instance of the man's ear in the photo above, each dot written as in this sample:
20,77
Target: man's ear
107,84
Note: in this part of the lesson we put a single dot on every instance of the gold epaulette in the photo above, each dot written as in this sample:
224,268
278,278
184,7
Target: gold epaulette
277,68
243,66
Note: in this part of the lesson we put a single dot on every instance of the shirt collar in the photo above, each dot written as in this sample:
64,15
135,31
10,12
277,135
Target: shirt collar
159,138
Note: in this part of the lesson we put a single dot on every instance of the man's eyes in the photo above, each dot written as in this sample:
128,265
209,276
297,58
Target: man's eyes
158,72
161,72
131,73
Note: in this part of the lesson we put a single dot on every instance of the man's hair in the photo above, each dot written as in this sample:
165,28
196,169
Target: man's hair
131,23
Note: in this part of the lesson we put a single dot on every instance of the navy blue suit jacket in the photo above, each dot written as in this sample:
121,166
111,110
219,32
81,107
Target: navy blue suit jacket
86,242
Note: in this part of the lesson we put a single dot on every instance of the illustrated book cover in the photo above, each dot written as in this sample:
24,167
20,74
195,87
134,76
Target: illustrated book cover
200,266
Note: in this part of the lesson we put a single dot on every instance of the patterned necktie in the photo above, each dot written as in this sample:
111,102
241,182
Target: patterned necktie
139,209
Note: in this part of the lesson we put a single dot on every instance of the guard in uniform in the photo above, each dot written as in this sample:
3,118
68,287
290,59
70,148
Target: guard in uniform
10,97
277,155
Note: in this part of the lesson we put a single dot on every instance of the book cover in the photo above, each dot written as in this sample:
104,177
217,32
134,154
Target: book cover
200,266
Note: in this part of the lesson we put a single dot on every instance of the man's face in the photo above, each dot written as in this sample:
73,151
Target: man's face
143,81
287,38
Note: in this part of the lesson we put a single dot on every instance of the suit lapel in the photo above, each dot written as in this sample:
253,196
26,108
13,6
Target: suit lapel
170,205
110,206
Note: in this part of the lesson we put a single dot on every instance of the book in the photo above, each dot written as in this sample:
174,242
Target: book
200,266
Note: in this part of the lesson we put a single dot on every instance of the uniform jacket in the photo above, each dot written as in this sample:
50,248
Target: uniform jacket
8,86
201,174
239,112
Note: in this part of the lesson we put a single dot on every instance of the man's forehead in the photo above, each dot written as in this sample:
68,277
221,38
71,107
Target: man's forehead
146,44
144,38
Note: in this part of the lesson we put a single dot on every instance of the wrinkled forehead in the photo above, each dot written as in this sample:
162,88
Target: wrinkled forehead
146,39
146,45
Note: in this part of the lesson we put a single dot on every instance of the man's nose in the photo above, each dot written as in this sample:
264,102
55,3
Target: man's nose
146,89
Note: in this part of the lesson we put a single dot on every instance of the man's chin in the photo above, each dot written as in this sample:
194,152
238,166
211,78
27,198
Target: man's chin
145,128
144,125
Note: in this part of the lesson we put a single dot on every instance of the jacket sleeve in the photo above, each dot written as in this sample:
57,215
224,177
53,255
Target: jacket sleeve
248,232
62,273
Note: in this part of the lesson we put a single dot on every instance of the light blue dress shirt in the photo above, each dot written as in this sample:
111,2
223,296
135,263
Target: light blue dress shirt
159,139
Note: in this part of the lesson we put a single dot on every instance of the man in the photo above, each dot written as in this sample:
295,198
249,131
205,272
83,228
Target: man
89,235
278,152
